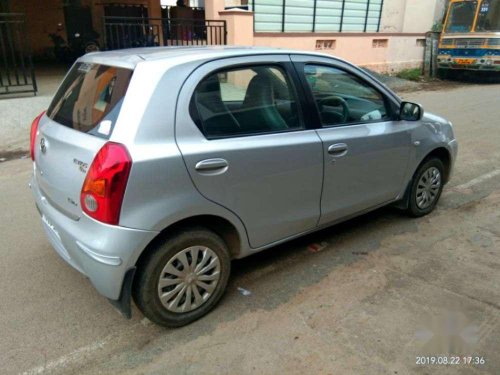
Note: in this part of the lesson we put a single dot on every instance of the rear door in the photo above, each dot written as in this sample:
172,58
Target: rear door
78,122
365,149
240,130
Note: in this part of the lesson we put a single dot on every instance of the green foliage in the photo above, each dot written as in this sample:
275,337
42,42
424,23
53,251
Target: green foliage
410,74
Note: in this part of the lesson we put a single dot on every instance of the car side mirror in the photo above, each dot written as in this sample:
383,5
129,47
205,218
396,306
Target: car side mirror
410,111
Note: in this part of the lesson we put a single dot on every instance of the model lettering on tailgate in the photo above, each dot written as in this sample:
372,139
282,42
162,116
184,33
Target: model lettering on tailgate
81,165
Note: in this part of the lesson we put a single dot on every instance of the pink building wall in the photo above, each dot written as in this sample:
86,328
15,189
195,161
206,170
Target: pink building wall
377,51
399,45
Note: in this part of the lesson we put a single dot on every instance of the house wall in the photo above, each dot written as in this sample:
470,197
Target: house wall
380,52
399,44
43,17
410,16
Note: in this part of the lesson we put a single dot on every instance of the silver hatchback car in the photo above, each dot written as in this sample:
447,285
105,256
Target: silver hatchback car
154,168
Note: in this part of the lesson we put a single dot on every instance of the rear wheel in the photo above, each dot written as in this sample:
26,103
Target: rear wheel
183,278
426,188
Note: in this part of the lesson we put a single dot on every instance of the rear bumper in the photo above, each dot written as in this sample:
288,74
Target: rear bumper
490,65
103,253
475,59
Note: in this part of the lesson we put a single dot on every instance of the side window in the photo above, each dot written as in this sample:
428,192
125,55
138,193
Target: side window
343,98
245,101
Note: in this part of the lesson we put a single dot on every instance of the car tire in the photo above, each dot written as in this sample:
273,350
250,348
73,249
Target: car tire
426,187
203,290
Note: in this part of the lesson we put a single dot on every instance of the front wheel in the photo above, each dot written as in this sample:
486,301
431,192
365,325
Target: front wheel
426,188
183,278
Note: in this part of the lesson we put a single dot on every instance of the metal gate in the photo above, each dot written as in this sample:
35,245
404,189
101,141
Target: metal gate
16,67
129,32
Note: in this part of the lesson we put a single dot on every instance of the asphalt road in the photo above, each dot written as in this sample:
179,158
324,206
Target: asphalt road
384,291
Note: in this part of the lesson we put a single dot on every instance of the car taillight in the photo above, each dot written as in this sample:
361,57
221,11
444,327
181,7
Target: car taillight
34,130
104,187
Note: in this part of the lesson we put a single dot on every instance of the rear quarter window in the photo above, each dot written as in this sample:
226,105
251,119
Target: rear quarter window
90,98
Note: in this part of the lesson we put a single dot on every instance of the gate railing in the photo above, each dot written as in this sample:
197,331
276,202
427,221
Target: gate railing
130,32
17,74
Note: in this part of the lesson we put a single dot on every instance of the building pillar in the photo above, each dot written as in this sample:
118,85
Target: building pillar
97,12
239,24
212,9
154,8
154,11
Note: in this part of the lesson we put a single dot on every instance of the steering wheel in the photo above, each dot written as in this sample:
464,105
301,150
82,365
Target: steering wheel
336,101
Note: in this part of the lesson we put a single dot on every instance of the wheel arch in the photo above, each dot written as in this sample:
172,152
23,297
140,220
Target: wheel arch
217,224
443,154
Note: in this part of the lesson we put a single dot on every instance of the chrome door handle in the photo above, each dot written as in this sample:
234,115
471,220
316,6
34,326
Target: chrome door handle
338,149
212,165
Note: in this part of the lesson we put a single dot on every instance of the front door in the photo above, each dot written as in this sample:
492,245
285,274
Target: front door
246,147
365,150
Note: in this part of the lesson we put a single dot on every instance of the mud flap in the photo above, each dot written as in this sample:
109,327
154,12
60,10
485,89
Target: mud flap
123,304
404,202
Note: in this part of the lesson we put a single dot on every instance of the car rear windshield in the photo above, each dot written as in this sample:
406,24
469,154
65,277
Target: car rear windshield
90,98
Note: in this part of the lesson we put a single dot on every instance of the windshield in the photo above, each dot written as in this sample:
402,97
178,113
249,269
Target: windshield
90,97
461,17
489,16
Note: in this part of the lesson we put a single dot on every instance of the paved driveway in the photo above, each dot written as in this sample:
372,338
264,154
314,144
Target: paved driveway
384,290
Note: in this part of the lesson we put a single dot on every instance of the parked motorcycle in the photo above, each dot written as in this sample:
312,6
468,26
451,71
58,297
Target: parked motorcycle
78,45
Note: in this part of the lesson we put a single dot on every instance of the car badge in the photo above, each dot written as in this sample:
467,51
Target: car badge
43,146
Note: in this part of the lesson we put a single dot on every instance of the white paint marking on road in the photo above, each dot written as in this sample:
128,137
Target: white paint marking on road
478,180
65,360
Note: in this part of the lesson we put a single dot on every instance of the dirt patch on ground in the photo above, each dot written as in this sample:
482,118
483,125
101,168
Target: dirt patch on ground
403,85
452,81
432,85
10,155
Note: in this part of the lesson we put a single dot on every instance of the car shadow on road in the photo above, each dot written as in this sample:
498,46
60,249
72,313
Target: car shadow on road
275,275
270,279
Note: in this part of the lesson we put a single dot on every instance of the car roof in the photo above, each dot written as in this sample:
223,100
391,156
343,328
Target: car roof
129,58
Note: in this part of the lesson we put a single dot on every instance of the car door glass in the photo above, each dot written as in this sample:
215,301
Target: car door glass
245,101
343,98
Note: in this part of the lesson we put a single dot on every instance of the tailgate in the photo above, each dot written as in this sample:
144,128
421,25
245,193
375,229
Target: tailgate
78,123
62,158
